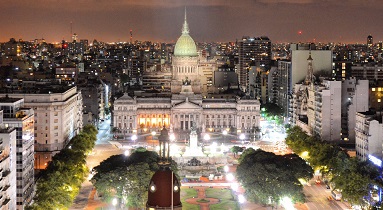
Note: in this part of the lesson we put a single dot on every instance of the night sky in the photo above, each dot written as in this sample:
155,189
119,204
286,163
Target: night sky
347,21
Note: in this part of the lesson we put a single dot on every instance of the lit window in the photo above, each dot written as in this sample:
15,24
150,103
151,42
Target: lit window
379,89
379,100
373,89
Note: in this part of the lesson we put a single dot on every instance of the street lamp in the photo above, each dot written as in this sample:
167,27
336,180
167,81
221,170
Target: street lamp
134,138
242,137
114,202
126,153
153,134
206,137
224,133
172,137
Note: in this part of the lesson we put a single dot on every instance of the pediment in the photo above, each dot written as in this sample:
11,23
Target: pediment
186,105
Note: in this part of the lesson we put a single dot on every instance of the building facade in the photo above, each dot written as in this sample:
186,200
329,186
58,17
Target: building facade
252,51
182,112
22,120
58,118
7,166
368,135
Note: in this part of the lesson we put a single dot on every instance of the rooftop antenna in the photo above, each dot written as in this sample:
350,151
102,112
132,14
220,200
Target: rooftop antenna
71,30
131,36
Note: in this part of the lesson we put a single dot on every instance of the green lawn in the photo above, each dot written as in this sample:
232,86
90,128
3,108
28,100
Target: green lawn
188,193
227,200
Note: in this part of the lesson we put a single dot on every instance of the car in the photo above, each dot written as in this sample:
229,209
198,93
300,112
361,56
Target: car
317,181
327,186
330,198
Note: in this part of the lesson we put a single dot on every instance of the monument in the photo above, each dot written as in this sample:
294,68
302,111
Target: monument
193,150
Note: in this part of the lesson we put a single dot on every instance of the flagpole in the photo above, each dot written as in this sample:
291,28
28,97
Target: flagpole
172,190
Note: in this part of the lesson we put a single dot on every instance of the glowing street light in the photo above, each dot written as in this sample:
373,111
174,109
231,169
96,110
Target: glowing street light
224,133
287,203
241,199
230,177
134,137
235,186
114,201
242,137
172,137
213,147
126,153
206,137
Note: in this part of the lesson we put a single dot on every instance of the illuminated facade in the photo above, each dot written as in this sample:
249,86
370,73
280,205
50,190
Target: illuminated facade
183,111
186,108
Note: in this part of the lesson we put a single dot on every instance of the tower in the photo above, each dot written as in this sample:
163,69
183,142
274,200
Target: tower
310,71
252,52
164,187
369,41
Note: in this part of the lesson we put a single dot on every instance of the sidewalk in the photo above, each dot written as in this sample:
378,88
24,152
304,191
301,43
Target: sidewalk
81,201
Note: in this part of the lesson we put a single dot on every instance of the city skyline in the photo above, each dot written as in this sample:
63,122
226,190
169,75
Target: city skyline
217,20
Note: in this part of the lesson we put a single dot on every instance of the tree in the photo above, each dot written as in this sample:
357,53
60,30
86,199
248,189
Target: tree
246,152
270,109
236,149
60,182
127,178
352,177
267,177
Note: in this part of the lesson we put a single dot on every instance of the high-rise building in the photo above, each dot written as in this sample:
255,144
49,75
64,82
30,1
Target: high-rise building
368,71
7,166
370,41
21,119
252,52
354,99
368,135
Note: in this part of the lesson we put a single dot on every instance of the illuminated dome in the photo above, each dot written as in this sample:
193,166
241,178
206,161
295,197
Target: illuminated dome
185,45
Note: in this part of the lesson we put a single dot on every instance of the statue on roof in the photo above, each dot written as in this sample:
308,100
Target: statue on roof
186,81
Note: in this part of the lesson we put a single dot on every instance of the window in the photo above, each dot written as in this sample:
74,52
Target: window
56,120
373,89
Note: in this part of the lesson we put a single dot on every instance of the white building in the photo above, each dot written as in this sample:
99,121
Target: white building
22,119
58,118
181,112
355,98
368,136
294,71
317,107
7,166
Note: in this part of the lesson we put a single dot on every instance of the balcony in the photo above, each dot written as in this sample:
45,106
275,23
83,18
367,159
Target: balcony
6,201
6,173
6,187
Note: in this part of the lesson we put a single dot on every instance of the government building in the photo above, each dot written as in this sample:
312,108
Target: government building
187,107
